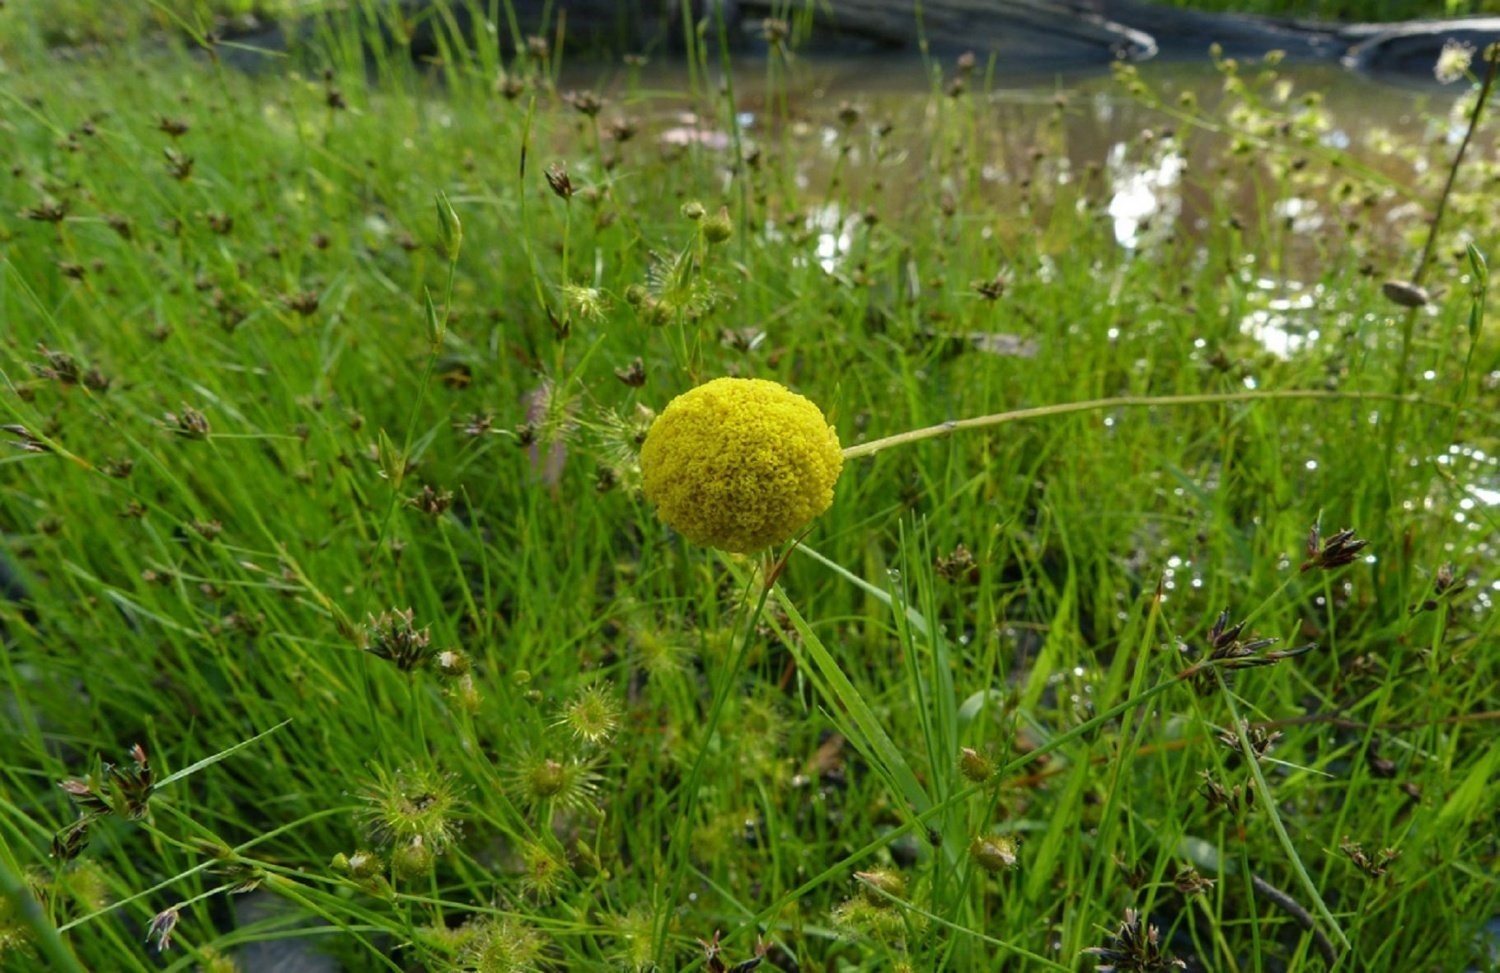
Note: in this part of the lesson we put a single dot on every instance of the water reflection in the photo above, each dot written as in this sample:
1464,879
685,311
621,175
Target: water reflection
1282,324
1144,195
1333,173
1475,473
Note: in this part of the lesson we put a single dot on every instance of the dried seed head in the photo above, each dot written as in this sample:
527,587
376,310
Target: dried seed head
179,165
622,129
510,87
161,928
305,303
1261,740
1227,653
557,178
959,566
48,210
69,843
1405,293
1189,882
1135,948
189,423
991,289
635,375
1374,866
1237,800
393,636
1338,550
57,366
475,425
431,502
1379,766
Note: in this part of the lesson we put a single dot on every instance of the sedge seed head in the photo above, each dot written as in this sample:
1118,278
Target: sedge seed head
740,464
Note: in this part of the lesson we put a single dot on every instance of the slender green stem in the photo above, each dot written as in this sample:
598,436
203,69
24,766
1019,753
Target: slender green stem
1263,791
1124,401
682,833
955,799
1425,260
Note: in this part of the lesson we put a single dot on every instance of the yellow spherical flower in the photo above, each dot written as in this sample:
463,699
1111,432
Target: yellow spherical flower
740,463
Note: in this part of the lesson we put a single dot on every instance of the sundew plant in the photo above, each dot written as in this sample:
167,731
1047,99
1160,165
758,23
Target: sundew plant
498,514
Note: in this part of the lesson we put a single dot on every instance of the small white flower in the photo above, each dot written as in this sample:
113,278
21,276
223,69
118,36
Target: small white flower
1453,63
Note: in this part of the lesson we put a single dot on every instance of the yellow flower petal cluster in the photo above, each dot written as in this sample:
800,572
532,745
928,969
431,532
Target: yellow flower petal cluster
740,463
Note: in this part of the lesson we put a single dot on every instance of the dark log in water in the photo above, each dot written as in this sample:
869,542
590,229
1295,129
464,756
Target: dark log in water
1023,36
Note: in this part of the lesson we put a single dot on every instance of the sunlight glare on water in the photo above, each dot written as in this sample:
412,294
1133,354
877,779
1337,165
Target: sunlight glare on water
1281,324
1142,193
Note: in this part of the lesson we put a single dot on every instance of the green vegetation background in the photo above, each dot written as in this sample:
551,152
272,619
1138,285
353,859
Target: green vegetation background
286,358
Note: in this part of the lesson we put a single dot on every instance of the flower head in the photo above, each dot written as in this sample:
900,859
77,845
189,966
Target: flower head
740,464
1453,62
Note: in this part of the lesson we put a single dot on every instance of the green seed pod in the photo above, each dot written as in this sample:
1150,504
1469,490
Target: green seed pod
719,227
412,861
993,854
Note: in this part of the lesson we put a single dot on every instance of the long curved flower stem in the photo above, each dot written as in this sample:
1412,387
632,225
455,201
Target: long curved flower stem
1123,401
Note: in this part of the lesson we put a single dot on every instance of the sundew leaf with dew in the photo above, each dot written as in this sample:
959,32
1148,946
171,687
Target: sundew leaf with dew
44,934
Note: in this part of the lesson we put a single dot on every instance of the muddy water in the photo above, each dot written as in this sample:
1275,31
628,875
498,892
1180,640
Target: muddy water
1303,174
1337,177
1039,133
